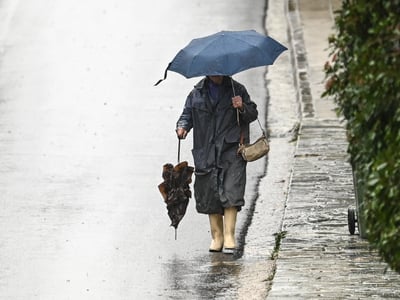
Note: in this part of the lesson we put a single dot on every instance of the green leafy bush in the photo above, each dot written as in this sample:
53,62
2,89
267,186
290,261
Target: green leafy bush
363,77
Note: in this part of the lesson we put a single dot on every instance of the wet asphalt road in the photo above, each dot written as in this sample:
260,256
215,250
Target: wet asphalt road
83,137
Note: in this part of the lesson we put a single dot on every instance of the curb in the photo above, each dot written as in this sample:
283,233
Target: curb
299,60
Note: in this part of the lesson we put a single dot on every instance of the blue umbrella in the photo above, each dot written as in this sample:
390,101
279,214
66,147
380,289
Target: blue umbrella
225,53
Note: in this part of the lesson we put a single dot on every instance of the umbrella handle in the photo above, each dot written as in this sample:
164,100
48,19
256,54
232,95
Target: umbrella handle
237,110
233,89
179,150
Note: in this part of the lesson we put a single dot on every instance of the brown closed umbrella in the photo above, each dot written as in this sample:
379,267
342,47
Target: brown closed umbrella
176,191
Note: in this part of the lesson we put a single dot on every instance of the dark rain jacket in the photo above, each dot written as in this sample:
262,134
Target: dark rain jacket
220,174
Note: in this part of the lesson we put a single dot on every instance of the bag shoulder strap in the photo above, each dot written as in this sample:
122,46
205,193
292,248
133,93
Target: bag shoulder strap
242,133
238,119
261,128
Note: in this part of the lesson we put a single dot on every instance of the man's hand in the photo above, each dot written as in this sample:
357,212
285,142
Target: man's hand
237,102
181,133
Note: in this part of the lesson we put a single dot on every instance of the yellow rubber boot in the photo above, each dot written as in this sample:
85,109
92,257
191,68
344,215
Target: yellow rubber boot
217,232
229,230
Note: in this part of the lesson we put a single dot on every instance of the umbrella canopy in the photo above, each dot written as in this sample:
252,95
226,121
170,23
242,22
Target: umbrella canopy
176,191
225,53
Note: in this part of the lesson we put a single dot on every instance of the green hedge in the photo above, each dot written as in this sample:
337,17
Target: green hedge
363,77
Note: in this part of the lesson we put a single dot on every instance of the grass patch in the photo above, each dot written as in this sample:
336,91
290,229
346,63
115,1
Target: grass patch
279,236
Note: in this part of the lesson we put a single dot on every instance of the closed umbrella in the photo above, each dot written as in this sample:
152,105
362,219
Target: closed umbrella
175,190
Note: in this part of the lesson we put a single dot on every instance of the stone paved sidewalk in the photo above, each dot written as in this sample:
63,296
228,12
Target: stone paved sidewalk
318,258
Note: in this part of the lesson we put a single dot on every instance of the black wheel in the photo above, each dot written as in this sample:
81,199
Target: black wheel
351,219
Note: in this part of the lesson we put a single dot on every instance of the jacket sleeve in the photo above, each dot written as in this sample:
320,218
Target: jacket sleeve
249,113
185,120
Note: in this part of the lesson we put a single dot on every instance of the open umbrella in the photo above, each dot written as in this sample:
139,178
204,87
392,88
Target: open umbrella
225,53
176,191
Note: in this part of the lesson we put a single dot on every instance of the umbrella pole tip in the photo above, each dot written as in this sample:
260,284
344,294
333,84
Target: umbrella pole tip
176,233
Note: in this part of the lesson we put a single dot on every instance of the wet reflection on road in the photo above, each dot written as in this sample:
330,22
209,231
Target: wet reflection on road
207,277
